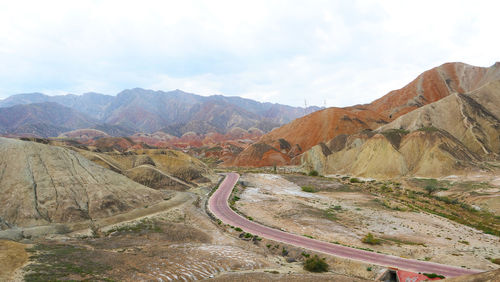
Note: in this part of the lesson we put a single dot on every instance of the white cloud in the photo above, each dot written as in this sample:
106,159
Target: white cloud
277,51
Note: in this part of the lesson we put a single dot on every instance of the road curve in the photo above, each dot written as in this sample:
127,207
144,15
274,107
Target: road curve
218,205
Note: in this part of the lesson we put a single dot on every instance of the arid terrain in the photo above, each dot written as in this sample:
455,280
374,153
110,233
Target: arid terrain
117,188
344,212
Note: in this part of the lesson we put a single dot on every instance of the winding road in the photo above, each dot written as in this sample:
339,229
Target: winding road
218,205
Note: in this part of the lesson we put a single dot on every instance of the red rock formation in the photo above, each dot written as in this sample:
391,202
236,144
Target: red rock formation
321,126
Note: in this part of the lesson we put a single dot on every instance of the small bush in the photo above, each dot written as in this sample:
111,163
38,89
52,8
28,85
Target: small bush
308,189
370,239
431,189
355,180
369,268
337,208
313,173
434,275
496,261
238,229
316,264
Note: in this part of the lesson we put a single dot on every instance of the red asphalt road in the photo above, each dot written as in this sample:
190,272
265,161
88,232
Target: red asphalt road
218,205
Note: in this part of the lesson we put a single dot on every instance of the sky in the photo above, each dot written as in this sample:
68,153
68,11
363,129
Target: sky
324,53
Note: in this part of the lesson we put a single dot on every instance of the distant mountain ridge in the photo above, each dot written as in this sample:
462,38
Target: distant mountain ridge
140,110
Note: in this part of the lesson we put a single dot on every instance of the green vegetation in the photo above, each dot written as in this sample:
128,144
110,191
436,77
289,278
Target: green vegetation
316,264
370,239
306,255
434,275
402,242
238,229
355,180
369,268
464,242
313,173
444,206
308,189
248,235
431,189
495,261
62,262
145,225
308,236
428,129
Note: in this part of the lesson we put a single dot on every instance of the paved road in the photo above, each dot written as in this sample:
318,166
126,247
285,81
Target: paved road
218,205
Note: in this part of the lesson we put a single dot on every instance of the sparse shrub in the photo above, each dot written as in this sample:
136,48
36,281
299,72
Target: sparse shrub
248,235
306,255
369,268
95,230
284,251
431,188
268,246
337,208
370,239
464,242
316,264
238,229
313,173
250,218
496,261
308,189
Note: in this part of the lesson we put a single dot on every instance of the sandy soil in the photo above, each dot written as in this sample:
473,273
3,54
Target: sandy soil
345,215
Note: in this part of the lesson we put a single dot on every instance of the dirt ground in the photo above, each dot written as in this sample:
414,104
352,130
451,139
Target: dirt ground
180,243
13,256
343,213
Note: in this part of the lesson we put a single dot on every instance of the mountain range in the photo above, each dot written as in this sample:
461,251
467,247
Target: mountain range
140,110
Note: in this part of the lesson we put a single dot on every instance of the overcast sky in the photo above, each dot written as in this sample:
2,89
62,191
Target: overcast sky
341,52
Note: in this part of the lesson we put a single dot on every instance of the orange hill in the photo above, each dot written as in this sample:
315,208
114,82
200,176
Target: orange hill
284,144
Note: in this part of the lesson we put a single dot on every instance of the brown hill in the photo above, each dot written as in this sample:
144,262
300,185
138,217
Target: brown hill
434,85
42,184
321,126
450,136
464,117
155,168
393,153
